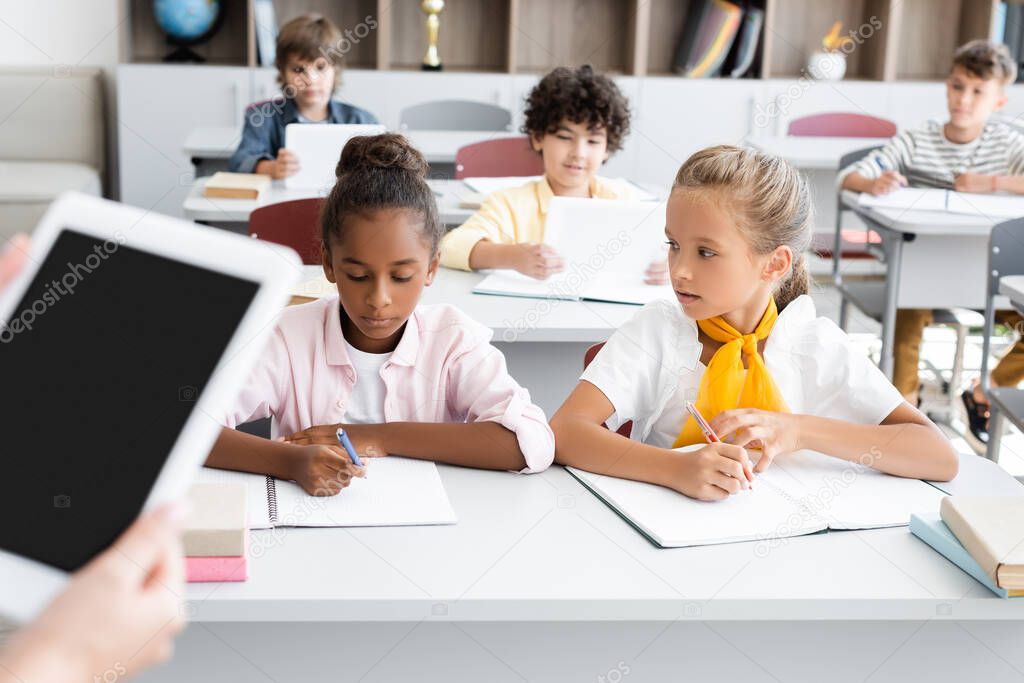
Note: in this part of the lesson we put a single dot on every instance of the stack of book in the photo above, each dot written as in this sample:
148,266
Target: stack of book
216,533
984,536
224,185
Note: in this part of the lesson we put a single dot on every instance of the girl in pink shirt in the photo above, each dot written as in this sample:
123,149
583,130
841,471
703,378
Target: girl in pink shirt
417,381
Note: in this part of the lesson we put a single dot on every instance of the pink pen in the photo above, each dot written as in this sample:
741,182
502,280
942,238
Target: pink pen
710,435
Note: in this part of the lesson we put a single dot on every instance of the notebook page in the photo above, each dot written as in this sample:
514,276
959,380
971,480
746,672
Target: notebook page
511,283
626,288
395,492
849,495
256,488
986,205
602,236
673,520
916,198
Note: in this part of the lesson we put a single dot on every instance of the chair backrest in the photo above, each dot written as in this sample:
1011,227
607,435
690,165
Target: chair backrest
53,113
588,357
842,125
455,115
1005,258
820,245
498,158
295,224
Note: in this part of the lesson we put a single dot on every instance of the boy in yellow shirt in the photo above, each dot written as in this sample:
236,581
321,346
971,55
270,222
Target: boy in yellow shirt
576,119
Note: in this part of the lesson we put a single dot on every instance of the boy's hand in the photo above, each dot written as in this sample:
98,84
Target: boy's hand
286,164
774,433
365,438
324,470
974,182
889,181
714,472
539,261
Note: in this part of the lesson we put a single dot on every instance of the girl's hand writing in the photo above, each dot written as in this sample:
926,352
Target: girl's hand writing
714,472
323,470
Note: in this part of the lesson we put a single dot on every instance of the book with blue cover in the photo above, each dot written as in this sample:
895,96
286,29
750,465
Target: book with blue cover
932,530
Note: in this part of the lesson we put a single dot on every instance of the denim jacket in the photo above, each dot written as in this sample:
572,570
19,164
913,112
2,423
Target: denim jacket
263,133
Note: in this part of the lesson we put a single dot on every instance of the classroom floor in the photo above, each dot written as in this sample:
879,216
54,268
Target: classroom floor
938,348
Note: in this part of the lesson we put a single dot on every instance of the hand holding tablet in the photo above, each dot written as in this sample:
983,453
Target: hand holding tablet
124,606
137,328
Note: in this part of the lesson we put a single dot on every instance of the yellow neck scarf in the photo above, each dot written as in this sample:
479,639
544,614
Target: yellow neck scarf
723,386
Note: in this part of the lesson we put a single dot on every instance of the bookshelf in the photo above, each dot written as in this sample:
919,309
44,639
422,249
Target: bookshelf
896,39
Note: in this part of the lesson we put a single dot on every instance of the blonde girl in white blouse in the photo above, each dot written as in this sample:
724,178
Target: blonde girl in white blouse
737,225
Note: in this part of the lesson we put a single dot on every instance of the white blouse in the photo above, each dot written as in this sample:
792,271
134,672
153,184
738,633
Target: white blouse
651,367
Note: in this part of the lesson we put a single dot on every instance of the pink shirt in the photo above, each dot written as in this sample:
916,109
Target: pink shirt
444,369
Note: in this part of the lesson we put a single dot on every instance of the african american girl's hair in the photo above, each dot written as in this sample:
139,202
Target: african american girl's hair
380,172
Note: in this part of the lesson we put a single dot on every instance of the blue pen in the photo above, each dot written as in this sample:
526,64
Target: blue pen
878,160
347,445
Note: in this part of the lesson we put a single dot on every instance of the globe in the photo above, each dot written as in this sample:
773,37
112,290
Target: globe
186,21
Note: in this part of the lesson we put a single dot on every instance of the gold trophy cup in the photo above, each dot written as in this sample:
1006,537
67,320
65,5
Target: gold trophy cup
432,8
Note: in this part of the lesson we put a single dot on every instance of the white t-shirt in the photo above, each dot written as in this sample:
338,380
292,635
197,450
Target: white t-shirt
651,366
366,405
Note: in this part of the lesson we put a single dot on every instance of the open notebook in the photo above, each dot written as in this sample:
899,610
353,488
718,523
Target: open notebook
950,201
606,244
395,492
801,493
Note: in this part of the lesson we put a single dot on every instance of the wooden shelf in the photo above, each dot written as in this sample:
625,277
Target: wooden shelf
147,43
473,35
896,39
935,41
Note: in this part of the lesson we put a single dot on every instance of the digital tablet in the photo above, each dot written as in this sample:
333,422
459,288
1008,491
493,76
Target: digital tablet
125,337
318,147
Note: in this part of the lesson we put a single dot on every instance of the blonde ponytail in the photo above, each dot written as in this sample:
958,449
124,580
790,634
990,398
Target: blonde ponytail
770,200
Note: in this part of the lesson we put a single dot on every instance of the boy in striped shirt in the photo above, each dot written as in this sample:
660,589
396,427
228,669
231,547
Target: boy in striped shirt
968,153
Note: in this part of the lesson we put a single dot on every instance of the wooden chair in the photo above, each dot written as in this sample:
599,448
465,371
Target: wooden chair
295,224
588,358
498,158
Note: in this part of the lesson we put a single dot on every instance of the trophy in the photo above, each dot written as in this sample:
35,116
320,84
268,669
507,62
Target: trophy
432,8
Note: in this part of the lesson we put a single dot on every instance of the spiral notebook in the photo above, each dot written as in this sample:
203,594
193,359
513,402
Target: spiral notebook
395,492
801,493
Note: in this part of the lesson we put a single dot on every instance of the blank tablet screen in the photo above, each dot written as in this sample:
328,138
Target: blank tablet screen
101,364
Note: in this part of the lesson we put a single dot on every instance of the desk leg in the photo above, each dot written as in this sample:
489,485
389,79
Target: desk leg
996,425
894,257
837,273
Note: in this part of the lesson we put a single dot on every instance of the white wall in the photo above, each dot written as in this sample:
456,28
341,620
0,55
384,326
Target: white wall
63,33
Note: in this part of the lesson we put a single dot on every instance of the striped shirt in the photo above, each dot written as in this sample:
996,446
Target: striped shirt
927,159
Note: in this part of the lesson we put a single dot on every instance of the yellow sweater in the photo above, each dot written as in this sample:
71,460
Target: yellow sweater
515,216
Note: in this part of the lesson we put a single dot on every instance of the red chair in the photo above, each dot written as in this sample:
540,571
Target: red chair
842,125
588,357
294,224
498,158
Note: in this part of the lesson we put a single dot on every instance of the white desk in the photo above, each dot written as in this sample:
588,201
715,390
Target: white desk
234,213
437,146
543,340
934,260
540,581
812,153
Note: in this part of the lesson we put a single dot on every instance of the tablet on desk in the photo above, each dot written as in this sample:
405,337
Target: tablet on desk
120,344
318,147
